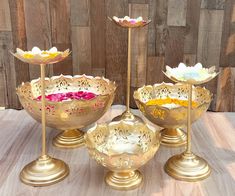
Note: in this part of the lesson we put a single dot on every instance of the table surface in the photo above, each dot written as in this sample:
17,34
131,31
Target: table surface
213,138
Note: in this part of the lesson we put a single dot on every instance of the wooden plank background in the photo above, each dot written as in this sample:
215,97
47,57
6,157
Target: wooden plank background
187,31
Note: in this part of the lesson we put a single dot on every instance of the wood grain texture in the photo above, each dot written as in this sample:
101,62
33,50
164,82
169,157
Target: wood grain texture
60,33
81,46
155,66
174,46
5,18
161,26
20,144
192,26
139,46
116,48
176,15
209,44
80,11
98,18
38,31
213,4
227,55
19,40
226,90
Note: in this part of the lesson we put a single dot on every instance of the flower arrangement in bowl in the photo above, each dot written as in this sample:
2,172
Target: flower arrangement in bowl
122,147
72,102
166,105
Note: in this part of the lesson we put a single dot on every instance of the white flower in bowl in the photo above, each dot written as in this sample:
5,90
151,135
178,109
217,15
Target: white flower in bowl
196,74
37,56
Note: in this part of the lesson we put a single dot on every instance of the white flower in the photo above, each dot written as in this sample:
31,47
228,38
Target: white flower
37,56
193,75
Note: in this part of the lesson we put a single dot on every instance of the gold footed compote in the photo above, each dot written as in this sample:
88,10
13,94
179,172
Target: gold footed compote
69,116
45,170
129,23
69,139
188,166
122,147
165,105
173,137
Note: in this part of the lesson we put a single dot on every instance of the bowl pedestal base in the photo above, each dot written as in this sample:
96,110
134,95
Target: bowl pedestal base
173,137
44,171
124,180
129,117
187,167
69,139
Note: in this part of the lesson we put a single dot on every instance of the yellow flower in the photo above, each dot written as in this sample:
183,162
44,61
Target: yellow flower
37,56
169,100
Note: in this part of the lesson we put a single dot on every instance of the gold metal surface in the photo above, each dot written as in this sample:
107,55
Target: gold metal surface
122,147
124,180
69,139
171,118
127,115
173,137
187,166
44,171
70,114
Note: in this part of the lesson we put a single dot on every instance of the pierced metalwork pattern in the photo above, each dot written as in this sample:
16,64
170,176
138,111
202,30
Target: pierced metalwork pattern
69,114
122,146
171,117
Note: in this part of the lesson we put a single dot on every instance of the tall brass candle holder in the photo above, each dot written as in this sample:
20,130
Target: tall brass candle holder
188,166
45,170
129,23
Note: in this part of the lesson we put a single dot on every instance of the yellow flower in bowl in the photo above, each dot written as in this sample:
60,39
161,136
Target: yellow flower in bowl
37,56
196,74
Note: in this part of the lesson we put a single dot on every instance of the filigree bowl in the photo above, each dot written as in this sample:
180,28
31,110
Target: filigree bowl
122,147
70,115
165,105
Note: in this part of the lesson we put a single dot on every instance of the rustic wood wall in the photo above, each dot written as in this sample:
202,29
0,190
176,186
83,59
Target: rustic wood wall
181,30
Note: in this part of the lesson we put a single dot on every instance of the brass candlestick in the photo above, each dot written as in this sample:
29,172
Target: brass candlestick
128,115
188,166
45,170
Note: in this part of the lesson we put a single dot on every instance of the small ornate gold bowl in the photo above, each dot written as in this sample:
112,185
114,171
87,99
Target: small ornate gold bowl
122,147
69,115
165,105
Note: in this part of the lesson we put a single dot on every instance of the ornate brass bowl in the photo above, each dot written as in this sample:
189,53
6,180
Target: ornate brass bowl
172,117
69,115
122,147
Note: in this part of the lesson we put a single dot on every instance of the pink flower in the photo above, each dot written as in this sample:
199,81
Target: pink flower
58,97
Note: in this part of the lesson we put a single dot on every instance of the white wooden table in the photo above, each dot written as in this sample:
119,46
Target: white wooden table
20,141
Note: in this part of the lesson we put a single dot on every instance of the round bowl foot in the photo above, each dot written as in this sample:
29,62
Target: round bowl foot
173,137
69,139
187,167
44,171
124,180
129,117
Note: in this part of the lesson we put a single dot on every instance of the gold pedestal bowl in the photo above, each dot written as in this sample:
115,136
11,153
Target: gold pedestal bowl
165,105
68,115
122,147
